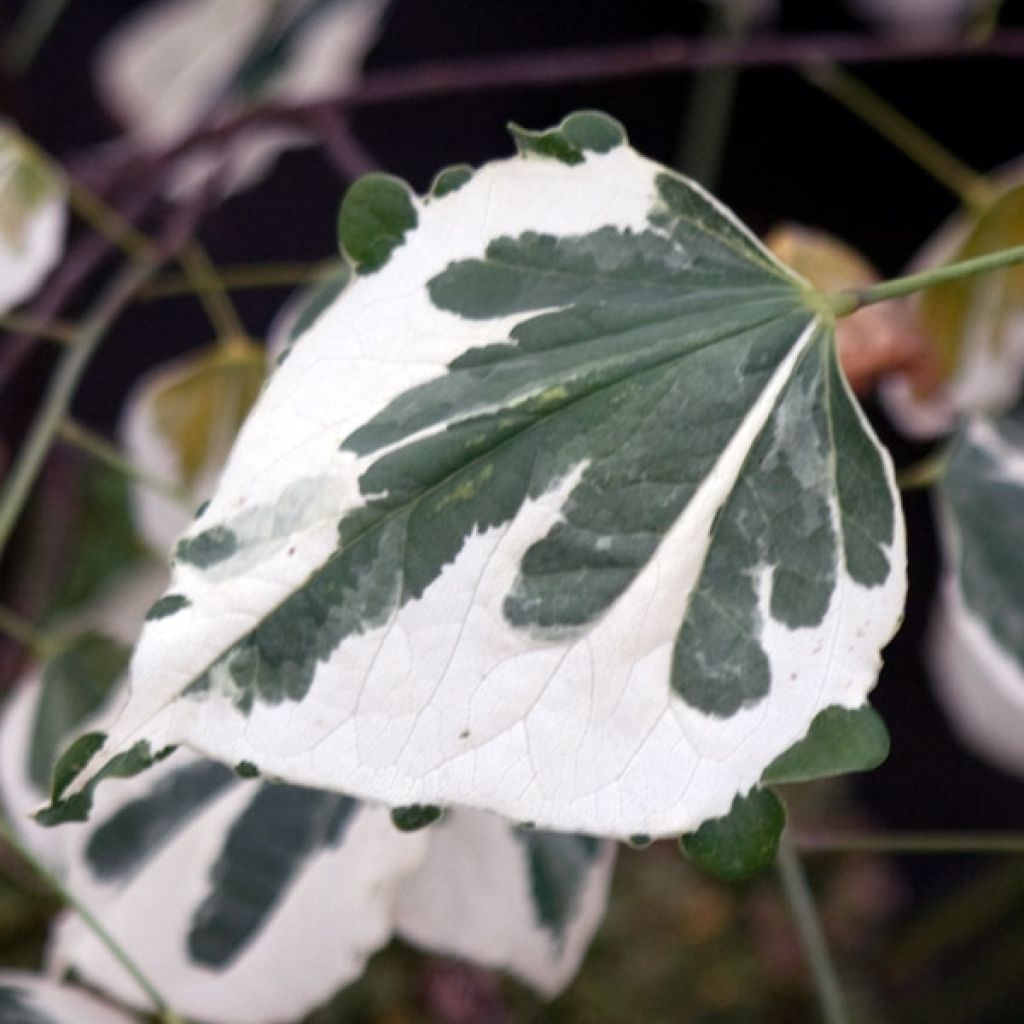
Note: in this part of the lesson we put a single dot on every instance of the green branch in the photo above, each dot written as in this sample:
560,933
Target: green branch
812,936
970,187
103,451
54,409
846,302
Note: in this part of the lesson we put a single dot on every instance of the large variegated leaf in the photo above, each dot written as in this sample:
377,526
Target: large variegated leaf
176,62
32,218
976,325
27,999
977,633
563,509
279,894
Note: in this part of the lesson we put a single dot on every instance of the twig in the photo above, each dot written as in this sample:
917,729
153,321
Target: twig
54,408
59,331
100,449
82,259
570,65
970,187
35,22
347,153
812,936
21,631
911,842
254,275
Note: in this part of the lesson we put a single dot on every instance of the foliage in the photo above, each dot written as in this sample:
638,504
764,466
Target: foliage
547,520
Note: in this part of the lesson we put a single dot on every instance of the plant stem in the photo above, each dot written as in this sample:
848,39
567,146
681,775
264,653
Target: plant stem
21,631
930,470
970,187
256,275
8,835
208,286
54,408
34,24
103,451
846,302
106,221
710,107
805,916
912,842
59,331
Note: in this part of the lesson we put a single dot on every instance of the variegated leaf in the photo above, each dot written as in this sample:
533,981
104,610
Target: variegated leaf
32,218
27,999
179,423
518,899
975,325
176,61
977,633
280,894
303,310
563,510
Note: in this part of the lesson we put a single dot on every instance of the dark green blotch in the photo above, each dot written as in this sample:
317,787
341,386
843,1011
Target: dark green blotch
201,509
742,843
15,1010
640,841
415,816
450,180
263,854
558,865
376,214
167,605
75,684
208,548
578,133
839,740
247,770
141,828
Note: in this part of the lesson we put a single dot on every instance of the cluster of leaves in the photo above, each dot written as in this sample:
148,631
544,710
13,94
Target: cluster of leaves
556,523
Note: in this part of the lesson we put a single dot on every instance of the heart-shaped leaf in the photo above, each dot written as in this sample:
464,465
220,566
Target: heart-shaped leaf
562,509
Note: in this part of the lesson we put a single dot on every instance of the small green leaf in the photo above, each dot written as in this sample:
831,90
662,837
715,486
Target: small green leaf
744,842
451,179
376,214
582,132
840,740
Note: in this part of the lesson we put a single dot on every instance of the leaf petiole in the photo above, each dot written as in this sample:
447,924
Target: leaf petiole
845,302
